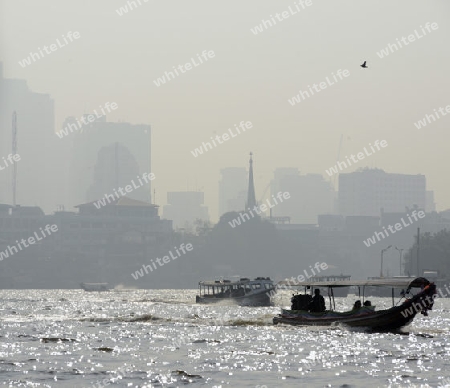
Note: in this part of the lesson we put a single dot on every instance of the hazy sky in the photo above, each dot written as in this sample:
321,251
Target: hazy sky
250,78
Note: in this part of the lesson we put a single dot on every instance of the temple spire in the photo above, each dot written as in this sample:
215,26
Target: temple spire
251,199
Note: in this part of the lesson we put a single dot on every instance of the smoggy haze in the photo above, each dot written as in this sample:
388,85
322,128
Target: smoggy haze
250,78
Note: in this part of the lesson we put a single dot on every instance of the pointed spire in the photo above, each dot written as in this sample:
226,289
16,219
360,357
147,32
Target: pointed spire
251,199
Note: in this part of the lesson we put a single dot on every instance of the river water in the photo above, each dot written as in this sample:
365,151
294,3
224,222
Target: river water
161,338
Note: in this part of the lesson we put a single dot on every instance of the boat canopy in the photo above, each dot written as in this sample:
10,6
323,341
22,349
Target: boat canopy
388,282
221,283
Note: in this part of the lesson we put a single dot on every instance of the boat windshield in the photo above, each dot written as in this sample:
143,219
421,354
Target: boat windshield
224,289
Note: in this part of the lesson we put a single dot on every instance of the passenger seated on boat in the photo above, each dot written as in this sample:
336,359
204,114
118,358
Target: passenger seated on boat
317,304
357,305
300,302
368,305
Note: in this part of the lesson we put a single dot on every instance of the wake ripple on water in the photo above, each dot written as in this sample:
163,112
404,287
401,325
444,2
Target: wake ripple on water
161,338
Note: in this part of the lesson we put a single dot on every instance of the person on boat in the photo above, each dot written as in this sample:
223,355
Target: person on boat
367,303
357,305
300,302
317,304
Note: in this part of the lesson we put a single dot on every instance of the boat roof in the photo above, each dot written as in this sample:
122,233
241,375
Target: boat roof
220,283
331,276
387,282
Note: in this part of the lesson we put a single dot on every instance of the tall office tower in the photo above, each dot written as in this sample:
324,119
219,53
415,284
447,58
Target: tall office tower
184,207
431,205
280,174
38,171
116,168
107,156
366,192
232,189
310,195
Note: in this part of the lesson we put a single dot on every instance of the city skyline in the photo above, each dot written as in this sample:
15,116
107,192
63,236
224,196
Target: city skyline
183,116
178,178
106,134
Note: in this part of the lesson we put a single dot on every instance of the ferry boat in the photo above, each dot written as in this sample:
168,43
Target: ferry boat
364,316
95,286
338,292
244,292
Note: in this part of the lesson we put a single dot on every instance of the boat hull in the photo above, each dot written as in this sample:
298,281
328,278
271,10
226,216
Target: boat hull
255,300
365,317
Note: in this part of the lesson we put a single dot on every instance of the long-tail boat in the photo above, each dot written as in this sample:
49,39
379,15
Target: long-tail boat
399,315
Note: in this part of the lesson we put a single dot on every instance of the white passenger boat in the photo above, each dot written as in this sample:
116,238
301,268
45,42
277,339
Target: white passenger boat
244,292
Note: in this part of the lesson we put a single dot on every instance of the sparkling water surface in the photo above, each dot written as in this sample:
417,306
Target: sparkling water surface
161,338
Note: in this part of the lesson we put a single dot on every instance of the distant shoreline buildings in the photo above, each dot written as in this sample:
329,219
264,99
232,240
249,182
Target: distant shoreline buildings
367,191
185,207
99,243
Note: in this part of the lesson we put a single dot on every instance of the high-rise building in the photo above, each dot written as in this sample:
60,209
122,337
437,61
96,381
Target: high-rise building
430,204
184,207
106,156
366,192
310,195
115,167
232,189
38,171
